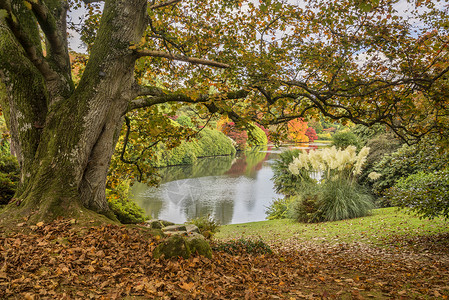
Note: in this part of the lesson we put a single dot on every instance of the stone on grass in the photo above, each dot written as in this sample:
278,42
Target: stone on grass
198,244
174,246
172,228
192,228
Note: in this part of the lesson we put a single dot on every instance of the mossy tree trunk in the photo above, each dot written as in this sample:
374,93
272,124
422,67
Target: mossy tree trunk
63,136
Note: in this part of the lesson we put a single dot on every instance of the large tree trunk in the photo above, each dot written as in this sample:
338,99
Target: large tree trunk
64,138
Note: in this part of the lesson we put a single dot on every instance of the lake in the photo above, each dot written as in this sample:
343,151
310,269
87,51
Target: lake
230,189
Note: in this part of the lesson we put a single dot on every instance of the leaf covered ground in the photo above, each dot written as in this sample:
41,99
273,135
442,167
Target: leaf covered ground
61,260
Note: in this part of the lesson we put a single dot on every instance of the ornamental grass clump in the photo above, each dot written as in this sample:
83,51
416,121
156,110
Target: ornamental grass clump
336,196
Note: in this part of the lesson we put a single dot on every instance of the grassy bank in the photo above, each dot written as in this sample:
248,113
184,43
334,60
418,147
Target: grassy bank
386,226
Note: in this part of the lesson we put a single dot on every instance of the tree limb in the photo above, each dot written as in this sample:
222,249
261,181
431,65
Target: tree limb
158,96
91,1
192,60
48,24
36,58
163,4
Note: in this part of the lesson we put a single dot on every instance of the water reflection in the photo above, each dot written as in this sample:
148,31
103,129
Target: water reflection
232,190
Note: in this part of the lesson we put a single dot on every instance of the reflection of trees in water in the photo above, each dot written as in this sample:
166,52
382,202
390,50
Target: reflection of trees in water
200,190
151,205
224,211
249,162
213,199
209,166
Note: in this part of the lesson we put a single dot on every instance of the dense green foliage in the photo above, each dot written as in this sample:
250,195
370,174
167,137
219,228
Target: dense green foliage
126,210
285,182
380,146
207,225
279,208
427,156
209,143
343,139
9,177
365,134
256,136
427,194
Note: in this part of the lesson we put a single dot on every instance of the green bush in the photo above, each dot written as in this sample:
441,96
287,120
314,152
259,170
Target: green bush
126,210
236,247
185,121
279,208
365,133
324,136
9,177
207,225
380,146
341,140
342,199
332,200
427,194
336,195
209,143
427,156
256,136
284,181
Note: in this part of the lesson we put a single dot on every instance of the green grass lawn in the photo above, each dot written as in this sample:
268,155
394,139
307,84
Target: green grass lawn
384,226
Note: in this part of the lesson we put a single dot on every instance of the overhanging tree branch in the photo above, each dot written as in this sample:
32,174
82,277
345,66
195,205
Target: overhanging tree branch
163,4
158,96
192,60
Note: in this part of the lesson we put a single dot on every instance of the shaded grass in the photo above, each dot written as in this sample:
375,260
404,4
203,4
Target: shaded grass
385,226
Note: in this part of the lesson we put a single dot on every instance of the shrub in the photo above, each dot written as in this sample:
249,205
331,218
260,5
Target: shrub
209,143
324,136
236,247
337,196
185,121
284,181
427,156
256,136
427,194
365,133
126,210
279,208
305,206
239,136
341,140
341,199
207,225
380,146
9,177
332,201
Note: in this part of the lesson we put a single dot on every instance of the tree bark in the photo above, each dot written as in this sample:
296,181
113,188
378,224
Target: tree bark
64,138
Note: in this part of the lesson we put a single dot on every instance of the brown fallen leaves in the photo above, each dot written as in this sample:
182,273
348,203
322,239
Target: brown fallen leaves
61,261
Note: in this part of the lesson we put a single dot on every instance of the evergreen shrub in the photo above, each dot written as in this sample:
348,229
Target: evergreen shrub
341,140
9,177
427,194
126,210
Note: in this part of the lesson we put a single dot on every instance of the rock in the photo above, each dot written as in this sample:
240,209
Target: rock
174,246
166,223
179,246
199,245
158,224
174,228
192,228
181,233
155,224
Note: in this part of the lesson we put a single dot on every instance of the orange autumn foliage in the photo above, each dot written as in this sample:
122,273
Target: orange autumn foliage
297,131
